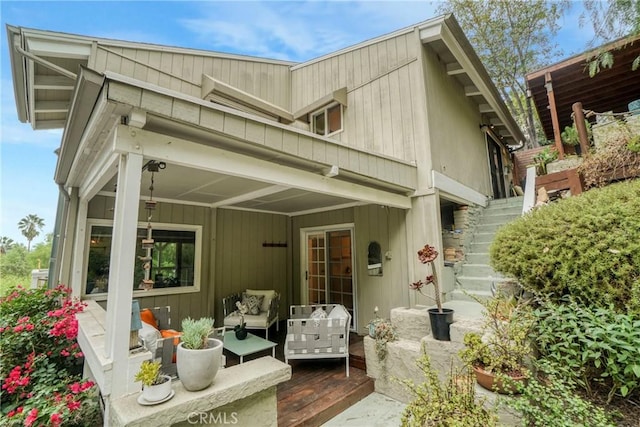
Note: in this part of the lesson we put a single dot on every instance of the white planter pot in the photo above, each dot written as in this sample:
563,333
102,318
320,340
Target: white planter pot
155,393
198,368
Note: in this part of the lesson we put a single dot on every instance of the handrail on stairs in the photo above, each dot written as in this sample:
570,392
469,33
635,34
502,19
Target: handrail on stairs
529,190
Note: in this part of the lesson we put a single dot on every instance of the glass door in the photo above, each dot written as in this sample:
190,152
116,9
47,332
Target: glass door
328,271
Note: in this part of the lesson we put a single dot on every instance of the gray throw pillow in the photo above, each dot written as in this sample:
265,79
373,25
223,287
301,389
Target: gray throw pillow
253,302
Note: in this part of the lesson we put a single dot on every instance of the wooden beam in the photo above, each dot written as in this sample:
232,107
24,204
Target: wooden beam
53,82
554,115
454,68
199,156
52,106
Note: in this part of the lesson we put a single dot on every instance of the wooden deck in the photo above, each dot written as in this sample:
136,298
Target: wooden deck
318,389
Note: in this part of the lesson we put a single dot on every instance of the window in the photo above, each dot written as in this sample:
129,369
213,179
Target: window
328,120
174,265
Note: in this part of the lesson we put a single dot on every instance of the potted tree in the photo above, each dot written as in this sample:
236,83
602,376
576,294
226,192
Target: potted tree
439,317
499,356
156,387
197,355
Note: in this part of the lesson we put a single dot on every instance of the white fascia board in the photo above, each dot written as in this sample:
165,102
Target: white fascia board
458,190
443,32
59,48
185,153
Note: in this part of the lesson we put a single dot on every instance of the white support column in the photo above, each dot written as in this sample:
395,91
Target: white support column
424,226
123,251
79,244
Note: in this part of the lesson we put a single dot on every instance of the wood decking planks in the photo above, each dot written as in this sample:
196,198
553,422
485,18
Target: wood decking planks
318,389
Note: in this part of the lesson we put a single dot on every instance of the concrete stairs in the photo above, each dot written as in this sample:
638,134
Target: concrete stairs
475,276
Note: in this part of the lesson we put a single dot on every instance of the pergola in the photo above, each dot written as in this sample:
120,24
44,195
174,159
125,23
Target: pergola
556,88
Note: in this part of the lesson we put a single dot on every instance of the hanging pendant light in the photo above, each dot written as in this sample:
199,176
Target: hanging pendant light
148,242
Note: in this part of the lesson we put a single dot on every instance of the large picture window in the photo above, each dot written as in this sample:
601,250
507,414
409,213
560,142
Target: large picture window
174,265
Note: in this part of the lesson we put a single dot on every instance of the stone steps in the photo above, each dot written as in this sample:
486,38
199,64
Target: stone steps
476,277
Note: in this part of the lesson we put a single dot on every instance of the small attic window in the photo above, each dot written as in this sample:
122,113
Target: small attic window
328,120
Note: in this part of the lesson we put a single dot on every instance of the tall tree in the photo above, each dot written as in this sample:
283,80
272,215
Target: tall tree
611,19
511,38
6,244
30,227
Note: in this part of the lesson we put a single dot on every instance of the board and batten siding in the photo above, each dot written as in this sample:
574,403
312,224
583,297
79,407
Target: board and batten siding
241,260
194,304
183,72
461,155
371,223
387,227
383,86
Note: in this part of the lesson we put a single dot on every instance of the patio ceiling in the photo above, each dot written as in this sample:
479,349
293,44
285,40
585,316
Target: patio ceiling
609,90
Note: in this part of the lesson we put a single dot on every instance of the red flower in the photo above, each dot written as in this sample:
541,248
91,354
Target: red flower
427,254
31,418
73,405
55,420
416,286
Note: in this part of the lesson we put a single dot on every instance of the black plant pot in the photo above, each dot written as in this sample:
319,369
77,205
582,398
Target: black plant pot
241,333
440,323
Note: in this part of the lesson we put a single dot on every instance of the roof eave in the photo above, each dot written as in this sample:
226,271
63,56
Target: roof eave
83,101
18,73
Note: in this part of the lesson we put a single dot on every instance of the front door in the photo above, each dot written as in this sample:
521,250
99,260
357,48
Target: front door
328,268
495,165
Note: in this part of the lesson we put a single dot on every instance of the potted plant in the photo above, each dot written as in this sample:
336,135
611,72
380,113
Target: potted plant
156,386
197,355
383,332
450,403
241,328
439,317
499,356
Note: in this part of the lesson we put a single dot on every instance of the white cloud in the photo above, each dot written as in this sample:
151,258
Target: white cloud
299,31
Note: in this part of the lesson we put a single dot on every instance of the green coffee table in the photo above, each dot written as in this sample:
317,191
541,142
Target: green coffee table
251,344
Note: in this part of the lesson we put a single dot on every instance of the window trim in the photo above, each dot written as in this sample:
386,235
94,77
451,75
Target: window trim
325,110
139,293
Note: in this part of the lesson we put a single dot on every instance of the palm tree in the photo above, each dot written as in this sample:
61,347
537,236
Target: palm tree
30,227
6,244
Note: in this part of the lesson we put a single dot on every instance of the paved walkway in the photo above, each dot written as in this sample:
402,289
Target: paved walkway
375,410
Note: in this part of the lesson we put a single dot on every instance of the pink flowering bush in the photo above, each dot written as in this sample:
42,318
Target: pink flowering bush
41,362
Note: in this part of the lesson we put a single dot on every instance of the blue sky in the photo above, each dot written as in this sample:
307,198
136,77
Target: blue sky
292,30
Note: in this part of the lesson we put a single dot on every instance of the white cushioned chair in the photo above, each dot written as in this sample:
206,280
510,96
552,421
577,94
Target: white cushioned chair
318,332
267,315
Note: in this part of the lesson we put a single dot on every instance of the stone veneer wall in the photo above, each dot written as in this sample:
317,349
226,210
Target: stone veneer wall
465,219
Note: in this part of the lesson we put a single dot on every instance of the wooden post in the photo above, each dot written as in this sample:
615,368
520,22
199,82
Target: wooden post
554,115
583,137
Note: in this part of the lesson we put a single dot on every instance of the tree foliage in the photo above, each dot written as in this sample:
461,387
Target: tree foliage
511,38
30,227
610,20
586,246
6,243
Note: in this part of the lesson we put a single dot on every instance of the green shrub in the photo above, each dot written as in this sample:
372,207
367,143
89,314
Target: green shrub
41,362
549,400
452,403
587,246
592,345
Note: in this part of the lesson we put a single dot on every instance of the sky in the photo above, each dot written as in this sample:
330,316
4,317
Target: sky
290,30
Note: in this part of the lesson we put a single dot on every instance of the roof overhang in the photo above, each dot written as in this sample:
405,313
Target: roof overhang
446,38
612,89
210,164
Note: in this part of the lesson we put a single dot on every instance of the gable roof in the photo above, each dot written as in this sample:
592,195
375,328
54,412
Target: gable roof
609,90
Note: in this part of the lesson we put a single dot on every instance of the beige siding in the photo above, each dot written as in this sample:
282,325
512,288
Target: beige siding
241,260
183,72
387,227
383,112
458,146
371,223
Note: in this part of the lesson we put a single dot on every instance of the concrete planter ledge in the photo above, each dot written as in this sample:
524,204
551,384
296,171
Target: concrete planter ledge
240,394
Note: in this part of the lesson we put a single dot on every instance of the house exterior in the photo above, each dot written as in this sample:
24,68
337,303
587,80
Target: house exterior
319,179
